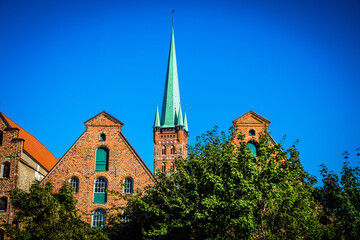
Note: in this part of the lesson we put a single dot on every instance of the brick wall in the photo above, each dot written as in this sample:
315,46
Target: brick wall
168,138
79,161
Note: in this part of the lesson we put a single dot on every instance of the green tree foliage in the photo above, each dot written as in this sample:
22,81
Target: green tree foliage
45,214
340,200
221,191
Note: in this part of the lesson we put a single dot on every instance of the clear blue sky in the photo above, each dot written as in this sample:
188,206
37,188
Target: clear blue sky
296,63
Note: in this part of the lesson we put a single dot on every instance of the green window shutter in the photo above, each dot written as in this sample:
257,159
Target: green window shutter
99,197
252,148
101,159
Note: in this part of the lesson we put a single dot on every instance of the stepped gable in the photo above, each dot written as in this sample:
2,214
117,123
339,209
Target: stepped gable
32,147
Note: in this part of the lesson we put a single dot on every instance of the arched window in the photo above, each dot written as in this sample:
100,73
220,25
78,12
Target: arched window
172,165
163,167
172,149
100,188
74,181
1,137
128,186
102,137
163,150
98,219
3,204
102,157
5,170
252,132
252,148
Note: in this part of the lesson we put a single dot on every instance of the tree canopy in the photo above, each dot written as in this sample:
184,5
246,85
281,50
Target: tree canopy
45,214
222,191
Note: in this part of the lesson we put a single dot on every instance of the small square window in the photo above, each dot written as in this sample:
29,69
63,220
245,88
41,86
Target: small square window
102,137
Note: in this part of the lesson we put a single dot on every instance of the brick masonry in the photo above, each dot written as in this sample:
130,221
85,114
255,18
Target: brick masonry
79,161
24,170
251,121
164,140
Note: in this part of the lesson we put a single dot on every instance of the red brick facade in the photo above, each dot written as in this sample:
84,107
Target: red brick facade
251,124
168,144
23,160
80,160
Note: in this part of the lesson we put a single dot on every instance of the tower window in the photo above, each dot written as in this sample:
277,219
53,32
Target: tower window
102,137
252,132
74,181
163,152
3,204
98,219
128,186
100,188
163,167
5,170
172,149
252,148
102,157
1,137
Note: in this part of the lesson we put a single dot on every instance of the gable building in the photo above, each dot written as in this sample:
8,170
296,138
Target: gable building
23,160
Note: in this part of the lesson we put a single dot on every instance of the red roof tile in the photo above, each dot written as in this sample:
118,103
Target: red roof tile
33,147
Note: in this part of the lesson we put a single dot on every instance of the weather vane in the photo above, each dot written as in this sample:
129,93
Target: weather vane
173,13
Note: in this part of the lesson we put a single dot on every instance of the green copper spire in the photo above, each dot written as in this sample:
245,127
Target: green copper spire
171,100
185,122
179,118
157,119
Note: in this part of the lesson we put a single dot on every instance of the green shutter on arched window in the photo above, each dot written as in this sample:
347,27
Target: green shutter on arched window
101,159
252,148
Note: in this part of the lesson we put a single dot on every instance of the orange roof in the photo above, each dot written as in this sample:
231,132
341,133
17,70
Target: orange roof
33,147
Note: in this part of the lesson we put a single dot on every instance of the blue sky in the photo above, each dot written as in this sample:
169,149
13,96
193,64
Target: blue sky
294,62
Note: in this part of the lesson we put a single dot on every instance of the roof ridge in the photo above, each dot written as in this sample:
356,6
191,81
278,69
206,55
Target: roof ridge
106,114
254,113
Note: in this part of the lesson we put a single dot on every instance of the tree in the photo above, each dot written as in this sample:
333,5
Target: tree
45,214
340,201
221,191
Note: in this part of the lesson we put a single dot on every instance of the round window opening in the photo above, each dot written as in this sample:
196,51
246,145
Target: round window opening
252,132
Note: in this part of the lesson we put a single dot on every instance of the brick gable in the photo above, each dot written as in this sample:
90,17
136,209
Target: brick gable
79,161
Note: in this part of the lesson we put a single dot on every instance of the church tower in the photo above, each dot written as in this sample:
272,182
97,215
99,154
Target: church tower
171,130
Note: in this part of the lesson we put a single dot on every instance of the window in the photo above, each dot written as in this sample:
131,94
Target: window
172,166
128,186
172,149
1,138
163,167
102,157
102,137
74,181
98,219
252,132
163,150
3,204
2,234
100,188
252,148
5,170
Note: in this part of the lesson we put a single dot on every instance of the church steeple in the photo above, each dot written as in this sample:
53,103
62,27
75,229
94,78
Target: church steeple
171,100
171,132
157,121
185,122
179,119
